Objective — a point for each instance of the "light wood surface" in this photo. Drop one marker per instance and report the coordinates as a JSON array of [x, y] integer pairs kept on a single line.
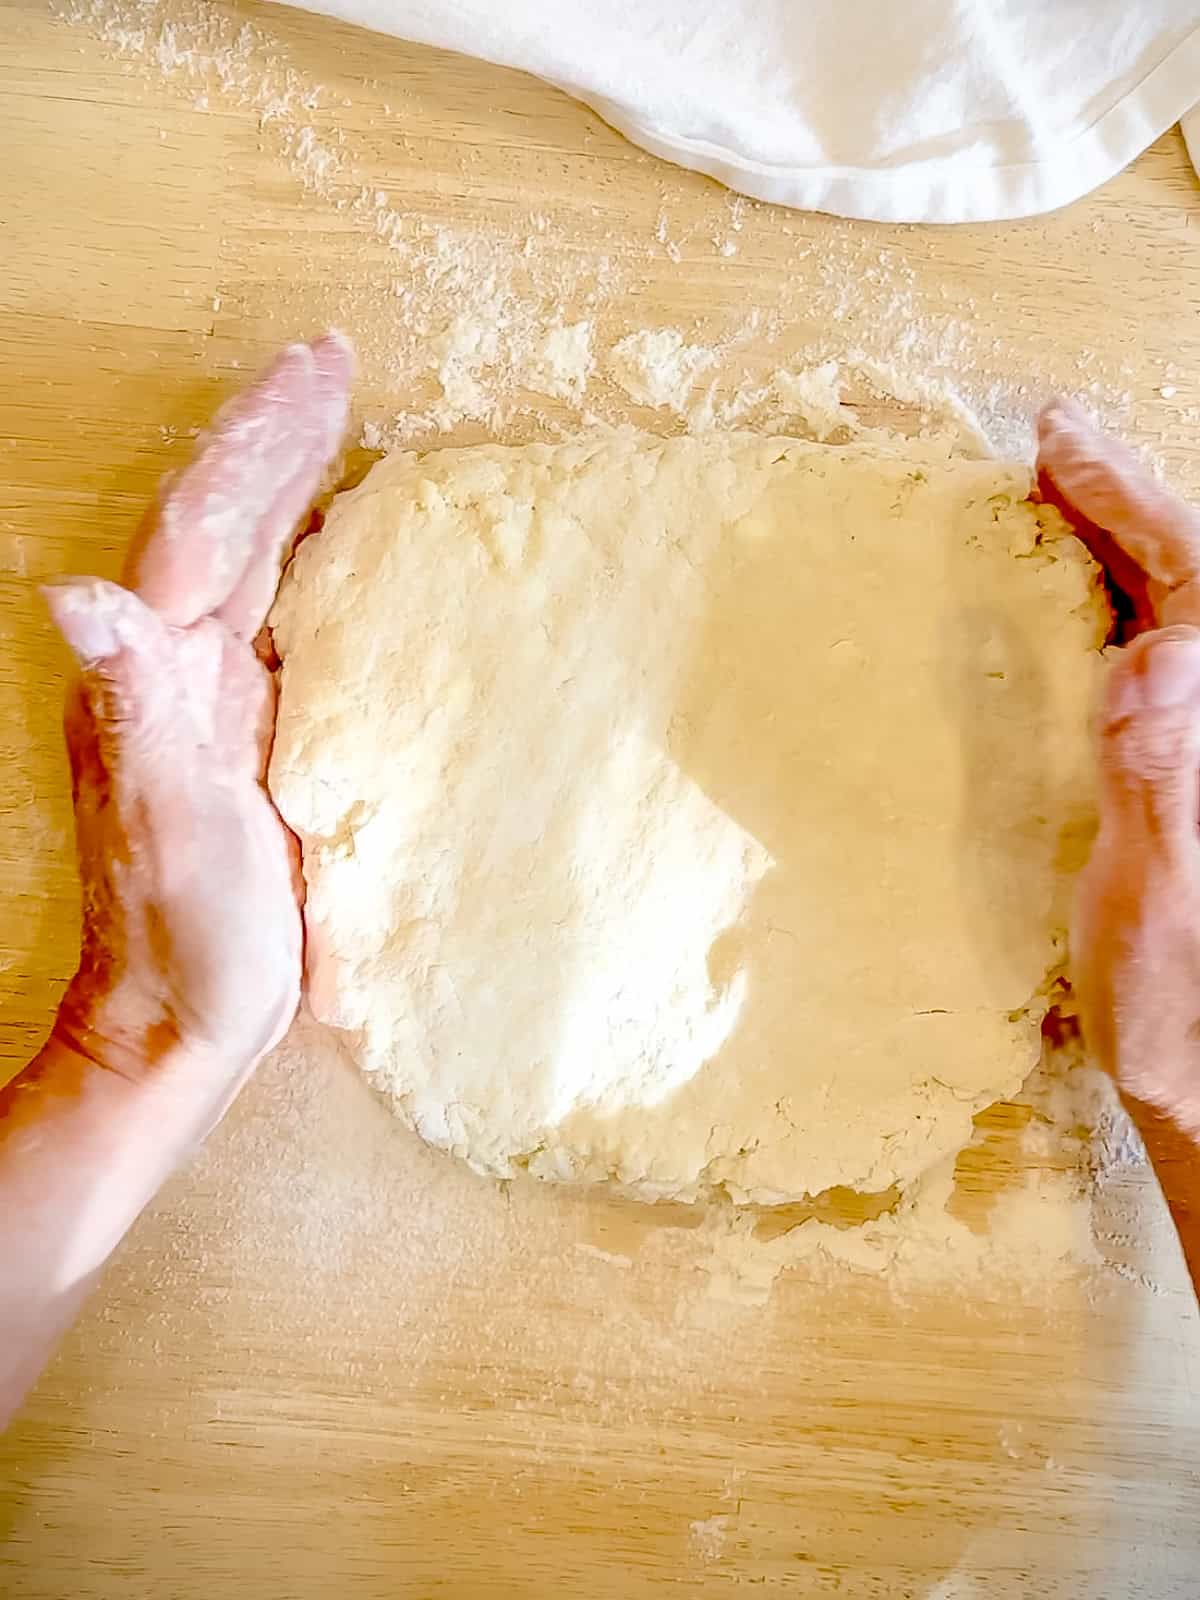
[[327, 1360]]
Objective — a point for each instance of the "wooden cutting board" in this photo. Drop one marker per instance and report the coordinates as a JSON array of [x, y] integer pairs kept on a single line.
[[329, 1360]]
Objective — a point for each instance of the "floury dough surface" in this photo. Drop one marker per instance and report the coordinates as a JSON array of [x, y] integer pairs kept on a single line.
[[692, 813]]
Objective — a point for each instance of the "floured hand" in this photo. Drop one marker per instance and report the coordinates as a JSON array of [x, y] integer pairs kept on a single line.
[[191, 927], [1136, 936]]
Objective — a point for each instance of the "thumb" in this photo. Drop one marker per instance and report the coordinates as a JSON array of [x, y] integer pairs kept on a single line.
[[1150, 743], [122, 648]]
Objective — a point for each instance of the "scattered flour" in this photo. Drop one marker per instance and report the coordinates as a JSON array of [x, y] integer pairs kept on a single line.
[[389, 1271], [471, 318], [655, 368], [561, 362], [814, 399], [1037, 1230], [468, 323], [1040, 1226], [707, 1537]]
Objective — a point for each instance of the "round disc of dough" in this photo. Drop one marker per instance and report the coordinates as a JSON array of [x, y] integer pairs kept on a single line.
[[688, 814]]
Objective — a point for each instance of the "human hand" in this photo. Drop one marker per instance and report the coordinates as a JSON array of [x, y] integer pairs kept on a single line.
[[191, 940], [1135, 938]]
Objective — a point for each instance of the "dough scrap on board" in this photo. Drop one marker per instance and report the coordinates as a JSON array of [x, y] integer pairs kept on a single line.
[[693, 813]]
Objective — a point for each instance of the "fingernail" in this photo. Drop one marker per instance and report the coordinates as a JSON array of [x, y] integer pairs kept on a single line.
[[83, 617], [334, 355], [333, 346], [1064, 416]]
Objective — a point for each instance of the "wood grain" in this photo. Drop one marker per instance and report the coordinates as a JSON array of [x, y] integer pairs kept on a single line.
[[329, 1359]]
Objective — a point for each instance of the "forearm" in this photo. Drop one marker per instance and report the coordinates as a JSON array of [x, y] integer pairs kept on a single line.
[[82, 1151], [1175, 1157]]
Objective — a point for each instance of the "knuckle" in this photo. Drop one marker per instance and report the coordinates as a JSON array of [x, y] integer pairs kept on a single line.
[[1155, 745]]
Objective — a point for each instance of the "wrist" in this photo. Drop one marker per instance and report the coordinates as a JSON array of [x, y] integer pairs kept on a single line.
[[123, 1032], [113, 1028], [189, 1084], [170, 1110]]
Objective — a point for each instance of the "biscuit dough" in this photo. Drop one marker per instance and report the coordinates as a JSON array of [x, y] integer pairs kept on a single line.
[[688, 814]]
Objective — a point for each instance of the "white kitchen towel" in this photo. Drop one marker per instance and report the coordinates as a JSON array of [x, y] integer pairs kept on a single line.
[[897, 110]]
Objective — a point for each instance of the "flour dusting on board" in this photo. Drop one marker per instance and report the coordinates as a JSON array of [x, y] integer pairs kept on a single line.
[[313, 1188], [465, 320], [343, 1196]]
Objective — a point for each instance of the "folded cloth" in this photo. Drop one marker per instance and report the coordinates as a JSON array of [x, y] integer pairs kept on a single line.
[[893, 110]]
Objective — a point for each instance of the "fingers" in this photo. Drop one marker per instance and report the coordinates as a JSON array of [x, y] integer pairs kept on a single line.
[[1125, 513], [213, 543], [1150, 745], [246, 609]]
